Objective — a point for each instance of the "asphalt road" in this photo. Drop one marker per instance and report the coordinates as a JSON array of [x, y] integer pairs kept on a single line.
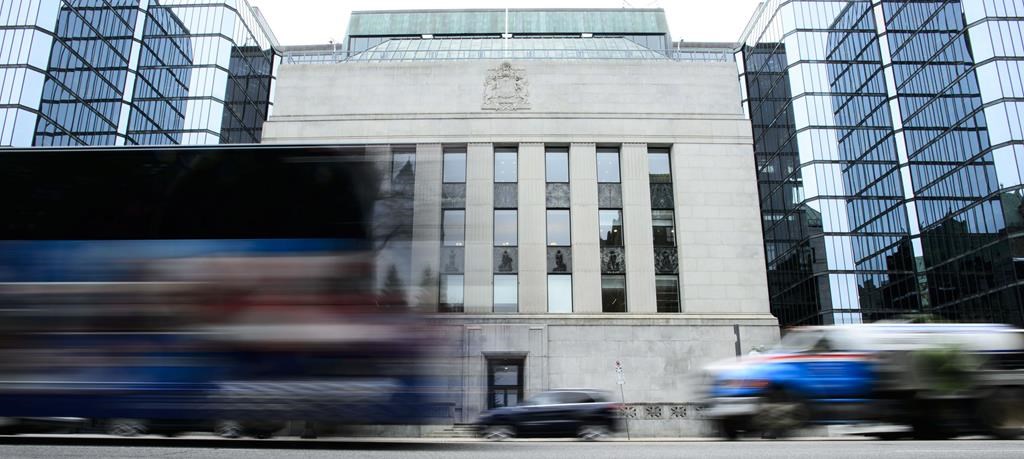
[[117, 448]]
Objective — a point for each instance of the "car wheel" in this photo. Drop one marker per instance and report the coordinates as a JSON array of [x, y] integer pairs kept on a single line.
[[728, 429], [228, 429], [781, 414], [126, 427], [261, 434], [498, 433], [593, 432], [262, 430], [1002, 412], [8, 426]]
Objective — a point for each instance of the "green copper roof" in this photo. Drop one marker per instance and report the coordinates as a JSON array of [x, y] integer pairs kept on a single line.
[[524, 21]]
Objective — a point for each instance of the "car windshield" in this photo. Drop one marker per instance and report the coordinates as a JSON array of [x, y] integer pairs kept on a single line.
[[798, 341]]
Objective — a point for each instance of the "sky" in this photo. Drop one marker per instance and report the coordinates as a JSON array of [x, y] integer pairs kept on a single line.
[[305, 22]]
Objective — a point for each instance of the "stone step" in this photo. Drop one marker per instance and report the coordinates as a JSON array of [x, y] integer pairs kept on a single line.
[[455, 431]]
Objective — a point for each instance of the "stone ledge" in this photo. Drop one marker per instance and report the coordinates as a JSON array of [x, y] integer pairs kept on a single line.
[[611, 319]]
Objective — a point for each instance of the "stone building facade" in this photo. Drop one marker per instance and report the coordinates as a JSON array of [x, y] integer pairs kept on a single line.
[[567, 214]]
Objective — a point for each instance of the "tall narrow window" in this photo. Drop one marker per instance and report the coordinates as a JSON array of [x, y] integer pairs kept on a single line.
[[453, 228], [558, 228], [610, 227], [663, 226], [613, 293], [559, 293], [608, 165], [660, 169], [506, 166], [663, 222], [667, 291], [454, 167], [556, 166], [506, 228], [506, 293], [451, 293], [403, 166]]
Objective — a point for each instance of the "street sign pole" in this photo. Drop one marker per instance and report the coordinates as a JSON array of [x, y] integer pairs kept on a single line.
[[621, 381]]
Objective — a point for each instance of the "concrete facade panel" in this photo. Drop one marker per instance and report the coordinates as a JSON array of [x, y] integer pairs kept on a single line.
[[479, 227], [426, 243], [532, 235], [586, 252], [714, 213], [636, 198]]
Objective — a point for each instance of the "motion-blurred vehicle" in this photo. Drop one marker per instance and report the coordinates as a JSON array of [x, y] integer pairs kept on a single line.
[[10, 426], [178, 289], [942, 380], [585, 413]]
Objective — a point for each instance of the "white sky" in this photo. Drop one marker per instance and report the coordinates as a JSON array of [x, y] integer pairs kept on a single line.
[[304, 22]]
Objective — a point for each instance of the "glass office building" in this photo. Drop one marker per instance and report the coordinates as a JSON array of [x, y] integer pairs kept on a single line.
[[127, 72], [889, 150]]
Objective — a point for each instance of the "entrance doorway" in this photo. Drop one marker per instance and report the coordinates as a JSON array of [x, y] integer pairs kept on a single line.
[[504, 382]]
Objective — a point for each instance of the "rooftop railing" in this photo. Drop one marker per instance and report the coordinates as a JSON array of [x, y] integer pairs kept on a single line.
[[328, 56]]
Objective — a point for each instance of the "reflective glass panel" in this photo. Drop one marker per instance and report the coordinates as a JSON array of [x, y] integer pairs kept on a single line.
[[403, 167], [451, 293], [558, 227], [610, 224], [506, 227], [559, 293], [608, 167], [663, 222], [454, 168], [660, 169], [454, 227], [506, 167], [556, 167], [667, 290], [613, 293], [506, 293]]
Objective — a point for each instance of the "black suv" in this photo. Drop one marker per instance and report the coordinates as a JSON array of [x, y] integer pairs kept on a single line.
[[584, 413]]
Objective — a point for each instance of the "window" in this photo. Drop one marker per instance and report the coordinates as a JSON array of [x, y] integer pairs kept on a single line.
[[558, 227], [506, 166], [663, 222], [451, 293], [506, 293], [453, 228], [506, 227], [560, 293], [610, 224], [613, 293], [556, 166], [660, 169], [403, 168], [667, 290], [402, 161], [607, 166], [454, 168]]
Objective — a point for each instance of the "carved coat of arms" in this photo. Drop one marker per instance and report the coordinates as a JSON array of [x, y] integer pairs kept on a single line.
[[506, 89]]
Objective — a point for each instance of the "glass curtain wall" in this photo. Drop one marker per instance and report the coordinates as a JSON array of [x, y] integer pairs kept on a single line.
[[885, 190], [86, 72]]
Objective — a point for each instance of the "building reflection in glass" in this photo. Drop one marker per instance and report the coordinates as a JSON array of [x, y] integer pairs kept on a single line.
[[82, 72], [885, 187]]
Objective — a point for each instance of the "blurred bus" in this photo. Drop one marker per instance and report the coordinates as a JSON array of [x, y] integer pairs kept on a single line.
[[164, 288]]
